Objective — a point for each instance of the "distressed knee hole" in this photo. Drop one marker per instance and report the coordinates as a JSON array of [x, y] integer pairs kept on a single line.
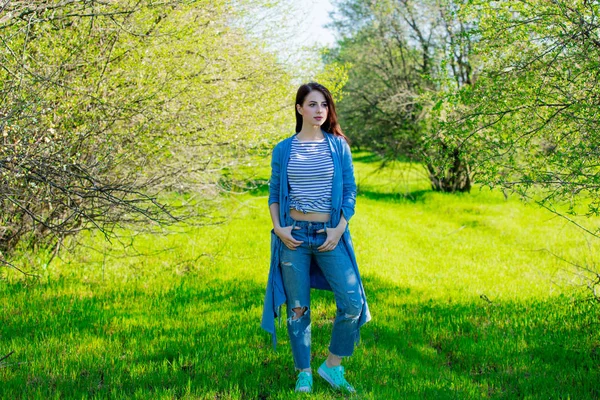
[[286, 264], [299, 311]]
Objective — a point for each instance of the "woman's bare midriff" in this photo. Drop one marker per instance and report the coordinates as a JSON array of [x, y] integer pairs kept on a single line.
[[310, 216]]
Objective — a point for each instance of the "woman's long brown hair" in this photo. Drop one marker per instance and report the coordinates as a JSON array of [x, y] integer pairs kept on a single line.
[[331, 124]]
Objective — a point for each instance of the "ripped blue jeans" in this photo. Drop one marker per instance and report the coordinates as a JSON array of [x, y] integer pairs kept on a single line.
[[337, 267]]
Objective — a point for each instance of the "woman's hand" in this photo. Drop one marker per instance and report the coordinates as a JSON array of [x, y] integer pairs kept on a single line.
[[285, 234], [333, 237]]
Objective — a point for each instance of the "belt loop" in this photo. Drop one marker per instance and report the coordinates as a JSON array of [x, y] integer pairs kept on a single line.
[[325, 227], [294, 224]]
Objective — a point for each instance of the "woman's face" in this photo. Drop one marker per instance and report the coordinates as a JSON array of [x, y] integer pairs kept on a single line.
[[314, 109]]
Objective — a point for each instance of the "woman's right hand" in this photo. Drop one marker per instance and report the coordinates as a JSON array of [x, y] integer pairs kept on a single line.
[[285, 234]]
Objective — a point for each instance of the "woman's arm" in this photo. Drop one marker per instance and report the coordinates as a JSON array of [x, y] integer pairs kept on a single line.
[[274, 180], [284, 233], [274, 210], [348, 200], [349, 184]]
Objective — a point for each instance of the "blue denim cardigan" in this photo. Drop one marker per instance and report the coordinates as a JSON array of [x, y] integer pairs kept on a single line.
[[343, 199]]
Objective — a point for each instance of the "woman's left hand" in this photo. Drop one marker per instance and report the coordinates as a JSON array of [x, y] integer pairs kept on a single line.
[[333, 237]]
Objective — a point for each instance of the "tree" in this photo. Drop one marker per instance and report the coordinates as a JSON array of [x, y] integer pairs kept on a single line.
[[401, 55], [106, 108], [534, 111]]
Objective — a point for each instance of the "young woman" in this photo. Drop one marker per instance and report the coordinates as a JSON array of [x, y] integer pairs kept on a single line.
[[312, 193]]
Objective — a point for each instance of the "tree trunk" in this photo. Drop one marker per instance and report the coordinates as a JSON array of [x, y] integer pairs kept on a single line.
[[452, 174]]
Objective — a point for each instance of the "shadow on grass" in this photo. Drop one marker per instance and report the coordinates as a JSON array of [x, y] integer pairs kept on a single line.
[[202, 338], [483, 348], [366, 157], [417, 196], [413, 197]]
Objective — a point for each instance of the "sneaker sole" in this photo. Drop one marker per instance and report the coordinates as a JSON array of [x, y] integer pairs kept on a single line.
[[324, 375]]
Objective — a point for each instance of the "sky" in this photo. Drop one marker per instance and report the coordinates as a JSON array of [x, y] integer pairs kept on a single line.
[[304, 32], [318, 15]]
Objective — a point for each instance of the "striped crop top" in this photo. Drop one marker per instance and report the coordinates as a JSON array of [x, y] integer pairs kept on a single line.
[[310, 176]]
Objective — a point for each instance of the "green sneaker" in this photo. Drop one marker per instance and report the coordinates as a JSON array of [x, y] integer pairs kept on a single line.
[[335, 377], [304, 382]]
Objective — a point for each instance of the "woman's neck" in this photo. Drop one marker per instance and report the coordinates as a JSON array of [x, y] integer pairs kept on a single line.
[[310, 132]]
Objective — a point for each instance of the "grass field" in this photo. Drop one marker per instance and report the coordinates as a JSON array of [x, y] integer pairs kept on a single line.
[[468, 297]]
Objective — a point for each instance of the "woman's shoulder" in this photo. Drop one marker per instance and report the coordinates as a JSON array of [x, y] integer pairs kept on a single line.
[[333, 136], [285, 142], [282, 145], [338, 140]]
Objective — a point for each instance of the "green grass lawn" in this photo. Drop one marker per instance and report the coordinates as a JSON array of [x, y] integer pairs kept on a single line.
[[468, 298]]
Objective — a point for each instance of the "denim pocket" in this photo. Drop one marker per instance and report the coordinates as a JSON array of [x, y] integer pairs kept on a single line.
[[298, 234]]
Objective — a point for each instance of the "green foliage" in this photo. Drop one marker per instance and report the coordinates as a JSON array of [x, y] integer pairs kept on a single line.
[[374, 114], [401, 54], [465, 301], [534, 110], [106, 105], [334, 76]]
